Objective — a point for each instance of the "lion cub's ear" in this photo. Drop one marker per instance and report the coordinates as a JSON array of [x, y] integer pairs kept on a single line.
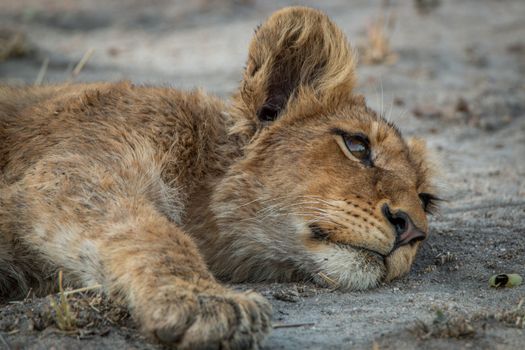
[[297, 52]]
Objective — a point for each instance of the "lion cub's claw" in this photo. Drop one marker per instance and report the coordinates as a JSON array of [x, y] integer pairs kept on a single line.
[[222, 321]]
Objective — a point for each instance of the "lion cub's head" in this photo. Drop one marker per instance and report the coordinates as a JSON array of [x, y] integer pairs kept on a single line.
[[327, 189]]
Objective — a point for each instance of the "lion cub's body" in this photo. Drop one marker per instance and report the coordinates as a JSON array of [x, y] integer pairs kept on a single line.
[[152, 192], [77, 159]]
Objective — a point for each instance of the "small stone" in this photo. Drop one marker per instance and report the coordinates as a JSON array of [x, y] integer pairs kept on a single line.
[[289, 295]]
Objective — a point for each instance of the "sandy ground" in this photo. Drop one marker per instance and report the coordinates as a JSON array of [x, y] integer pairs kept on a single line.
[[458, 81]]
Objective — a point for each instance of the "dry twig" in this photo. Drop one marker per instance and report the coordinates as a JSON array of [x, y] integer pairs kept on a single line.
[[292, 325]]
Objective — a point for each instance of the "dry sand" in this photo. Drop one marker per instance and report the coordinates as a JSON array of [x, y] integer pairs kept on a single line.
[[457, 80]]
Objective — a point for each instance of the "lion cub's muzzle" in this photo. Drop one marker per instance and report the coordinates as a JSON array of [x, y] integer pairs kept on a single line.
[[406, 231]]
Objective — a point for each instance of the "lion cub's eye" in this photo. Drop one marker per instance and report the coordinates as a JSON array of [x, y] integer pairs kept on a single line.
[[358, 147], [355, 146]]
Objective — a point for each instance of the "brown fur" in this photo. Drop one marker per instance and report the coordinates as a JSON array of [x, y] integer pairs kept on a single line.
[[140, 188]]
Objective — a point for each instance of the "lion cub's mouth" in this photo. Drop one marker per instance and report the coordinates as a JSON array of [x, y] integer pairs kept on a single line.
[[320, 234]]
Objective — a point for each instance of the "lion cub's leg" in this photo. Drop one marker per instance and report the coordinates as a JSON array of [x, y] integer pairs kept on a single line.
[[158, 270], [104, 227]]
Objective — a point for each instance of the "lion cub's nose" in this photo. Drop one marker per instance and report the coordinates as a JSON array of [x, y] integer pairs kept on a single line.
[[406, 231]]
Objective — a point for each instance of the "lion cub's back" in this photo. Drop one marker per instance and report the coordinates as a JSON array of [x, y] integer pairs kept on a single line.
[[37, 120], [31, 117]]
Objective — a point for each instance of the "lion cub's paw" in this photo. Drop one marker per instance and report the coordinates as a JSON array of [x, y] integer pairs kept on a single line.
[[212, 321]]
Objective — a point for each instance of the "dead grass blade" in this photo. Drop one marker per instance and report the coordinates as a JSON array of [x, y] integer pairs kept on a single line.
[[42, 72], [80, 65], [64, 318], [83, 289], [515, 317], [328, 279]]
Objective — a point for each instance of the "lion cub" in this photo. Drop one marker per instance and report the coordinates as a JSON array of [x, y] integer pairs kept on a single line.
[[154, 193]]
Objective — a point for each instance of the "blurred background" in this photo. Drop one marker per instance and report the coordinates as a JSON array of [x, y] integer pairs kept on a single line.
[[449, 71], [436, 53]]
